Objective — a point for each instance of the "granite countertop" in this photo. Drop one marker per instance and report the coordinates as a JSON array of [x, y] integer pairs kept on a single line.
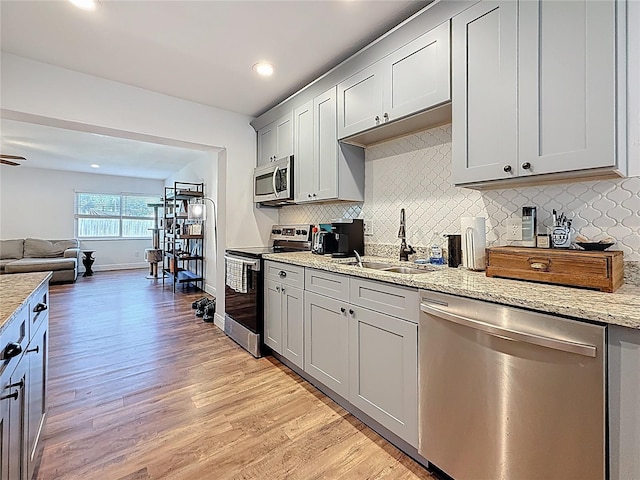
[[15, 290], [619, 308]]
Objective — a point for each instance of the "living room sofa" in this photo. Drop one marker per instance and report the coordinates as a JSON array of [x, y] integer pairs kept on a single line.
[[37, 255]]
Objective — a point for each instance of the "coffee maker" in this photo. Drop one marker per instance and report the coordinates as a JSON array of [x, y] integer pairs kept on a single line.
[[349, 234]]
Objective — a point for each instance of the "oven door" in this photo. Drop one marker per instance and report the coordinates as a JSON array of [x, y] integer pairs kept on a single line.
[[246, 308]]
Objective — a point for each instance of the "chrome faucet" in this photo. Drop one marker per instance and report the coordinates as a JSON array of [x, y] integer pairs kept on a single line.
[[405, 250], [358, 258]]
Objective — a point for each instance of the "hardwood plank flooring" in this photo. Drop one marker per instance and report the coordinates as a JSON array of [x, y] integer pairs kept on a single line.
[[140, 388]]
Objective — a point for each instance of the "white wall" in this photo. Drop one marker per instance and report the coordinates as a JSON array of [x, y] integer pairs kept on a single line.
[[205, 171], [40, 203], [41, 93]]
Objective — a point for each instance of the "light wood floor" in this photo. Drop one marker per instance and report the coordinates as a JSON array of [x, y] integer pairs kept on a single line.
[[140, 388]]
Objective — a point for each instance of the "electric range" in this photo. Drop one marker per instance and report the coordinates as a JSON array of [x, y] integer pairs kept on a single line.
[[244, 301]]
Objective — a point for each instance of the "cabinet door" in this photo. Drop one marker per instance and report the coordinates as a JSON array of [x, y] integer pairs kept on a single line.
[[325, 146], [418, 74], [18, 423], [567, 85], [293, 325], [5, 453], [267, 144], [326, 342], [303, 158], [485, 80], [37, 356], [284, 137], [384, 371], [273, 315], [360, 101]]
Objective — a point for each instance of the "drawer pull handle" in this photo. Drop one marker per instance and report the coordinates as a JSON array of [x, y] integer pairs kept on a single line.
[[41, 307], [12, 349], [13, 395], [540, 265]]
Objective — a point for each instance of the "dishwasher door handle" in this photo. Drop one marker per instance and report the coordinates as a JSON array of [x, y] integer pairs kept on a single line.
[[509, 334]]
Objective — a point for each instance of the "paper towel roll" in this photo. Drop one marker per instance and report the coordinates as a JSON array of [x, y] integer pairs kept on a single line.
[[474, 242]]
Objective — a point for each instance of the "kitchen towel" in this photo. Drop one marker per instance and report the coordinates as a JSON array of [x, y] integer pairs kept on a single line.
[[236, 275]]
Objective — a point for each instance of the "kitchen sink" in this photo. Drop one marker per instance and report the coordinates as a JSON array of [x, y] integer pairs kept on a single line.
[[406, 270], [388, 267]]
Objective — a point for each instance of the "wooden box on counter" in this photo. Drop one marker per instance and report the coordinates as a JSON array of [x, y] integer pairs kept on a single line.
[[602, 271]]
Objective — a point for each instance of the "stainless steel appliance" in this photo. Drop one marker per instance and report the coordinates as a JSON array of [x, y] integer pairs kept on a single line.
[[507, 393], [244, 311], [273, 183], [349, 236]]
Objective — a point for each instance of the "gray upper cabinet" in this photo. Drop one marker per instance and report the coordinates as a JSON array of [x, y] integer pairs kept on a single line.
[[411, 79], [361, 101], [485, 97], [325, 170], [534, 90], [276, 140], [567, 86]]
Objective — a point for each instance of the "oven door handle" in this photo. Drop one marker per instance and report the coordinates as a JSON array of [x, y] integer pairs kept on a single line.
[[252, 264]]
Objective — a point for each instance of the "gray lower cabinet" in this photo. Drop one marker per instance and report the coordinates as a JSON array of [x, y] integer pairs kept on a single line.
[[326, 341], [357, 347], [383, 368], [23, 386], [283, 311]]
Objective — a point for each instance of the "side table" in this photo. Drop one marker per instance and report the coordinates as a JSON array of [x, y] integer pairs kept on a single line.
[[87, 261]]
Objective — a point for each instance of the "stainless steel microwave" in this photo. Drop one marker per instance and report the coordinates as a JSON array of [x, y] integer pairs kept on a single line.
[[273, 182]]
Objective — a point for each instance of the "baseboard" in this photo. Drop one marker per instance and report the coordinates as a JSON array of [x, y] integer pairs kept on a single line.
[[218, 321], [118, 266], [210, 289]]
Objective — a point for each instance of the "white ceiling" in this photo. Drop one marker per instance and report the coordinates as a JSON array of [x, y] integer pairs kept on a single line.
[[62, 149], [201, 51]]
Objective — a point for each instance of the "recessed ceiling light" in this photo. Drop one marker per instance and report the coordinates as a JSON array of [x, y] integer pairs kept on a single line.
[[94, 165], [263, 69], [85, 4]]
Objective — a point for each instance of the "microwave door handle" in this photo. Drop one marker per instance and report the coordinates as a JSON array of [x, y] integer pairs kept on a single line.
[[273, 179]]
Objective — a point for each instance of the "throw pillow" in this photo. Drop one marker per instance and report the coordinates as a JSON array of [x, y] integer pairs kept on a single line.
[[11, 249], [38, 248]]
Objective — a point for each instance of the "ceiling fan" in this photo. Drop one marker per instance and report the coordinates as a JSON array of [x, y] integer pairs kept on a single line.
[[7, 159]]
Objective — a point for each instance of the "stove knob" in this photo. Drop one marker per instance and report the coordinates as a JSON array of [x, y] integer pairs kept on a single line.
[[304, 232], [298, 232], [274, 231]]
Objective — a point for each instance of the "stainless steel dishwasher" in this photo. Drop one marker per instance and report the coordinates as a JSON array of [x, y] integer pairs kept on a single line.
[[510, 394]]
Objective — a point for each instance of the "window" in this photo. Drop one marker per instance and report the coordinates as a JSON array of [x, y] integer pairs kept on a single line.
[[100, 215]]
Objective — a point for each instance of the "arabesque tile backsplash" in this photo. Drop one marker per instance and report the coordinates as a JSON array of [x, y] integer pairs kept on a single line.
[[414, 173]]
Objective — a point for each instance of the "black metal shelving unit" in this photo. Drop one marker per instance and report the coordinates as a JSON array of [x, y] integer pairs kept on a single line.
[[183, 251]]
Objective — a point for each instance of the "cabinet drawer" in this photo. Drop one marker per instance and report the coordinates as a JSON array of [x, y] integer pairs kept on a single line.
[[15, 332], [284, 273], [398, 301], [38, 308], [332, 285]]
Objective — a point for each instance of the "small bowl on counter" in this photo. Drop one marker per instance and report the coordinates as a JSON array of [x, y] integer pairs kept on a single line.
[[595, 246]]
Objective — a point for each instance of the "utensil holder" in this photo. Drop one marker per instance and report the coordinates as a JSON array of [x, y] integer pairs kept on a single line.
[[561, 237]]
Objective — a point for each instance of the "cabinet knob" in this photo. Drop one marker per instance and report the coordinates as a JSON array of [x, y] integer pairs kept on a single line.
[[377, 119], [350, 311], [342, 309], [277, 289], [507, 168], [282, 273], [314, 195], [526, 165], [12, 350], [283, 290], [309, 195], [386, 117]]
